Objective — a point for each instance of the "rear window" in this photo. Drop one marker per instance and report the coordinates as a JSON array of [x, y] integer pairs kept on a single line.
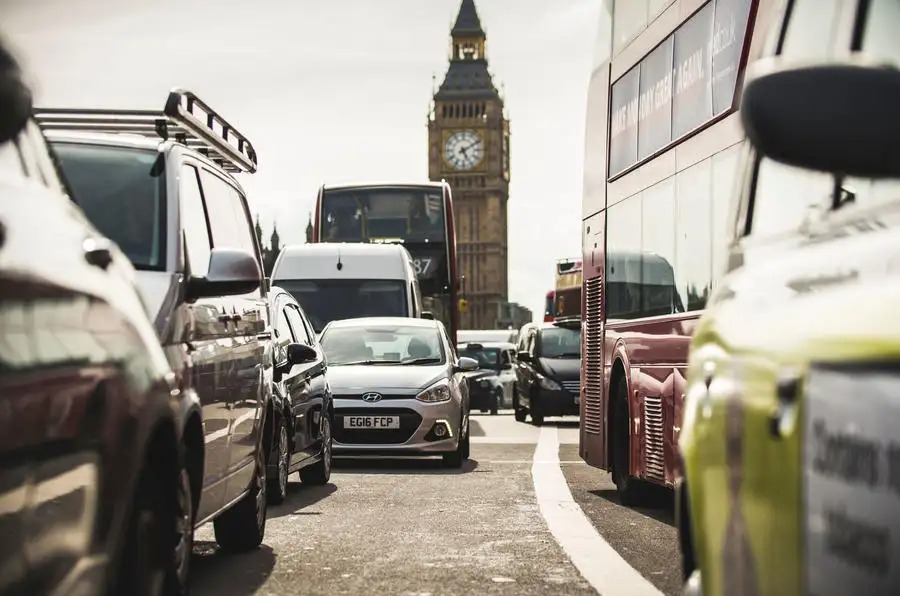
[[326, 300], [122, 192]]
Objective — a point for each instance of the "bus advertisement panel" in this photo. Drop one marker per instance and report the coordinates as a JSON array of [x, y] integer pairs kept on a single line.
[[418, 216]]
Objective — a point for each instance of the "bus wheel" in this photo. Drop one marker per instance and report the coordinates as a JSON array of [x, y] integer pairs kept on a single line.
[[627, 487]]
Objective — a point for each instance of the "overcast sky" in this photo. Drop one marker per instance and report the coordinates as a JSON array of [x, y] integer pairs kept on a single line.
[[336, 90]]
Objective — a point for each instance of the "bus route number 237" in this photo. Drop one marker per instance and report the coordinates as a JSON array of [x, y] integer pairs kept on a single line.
[[422, 266]]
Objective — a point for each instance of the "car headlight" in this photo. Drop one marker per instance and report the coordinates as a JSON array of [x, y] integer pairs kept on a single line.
[[437, 392], [550, 384]]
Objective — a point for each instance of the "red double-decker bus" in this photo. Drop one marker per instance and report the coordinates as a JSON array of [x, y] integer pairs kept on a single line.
[[418, 216], [661, 155]]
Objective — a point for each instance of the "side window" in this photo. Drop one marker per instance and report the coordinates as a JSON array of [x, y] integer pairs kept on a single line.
[[228, 221], [880, 38], [193, 222], [282, 328], [786, 197], [309, 329], [811, 29], [297, 325]]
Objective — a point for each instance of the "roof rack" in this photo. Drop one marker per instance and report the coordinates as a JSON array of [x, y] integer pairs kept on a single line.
[[185, 119]]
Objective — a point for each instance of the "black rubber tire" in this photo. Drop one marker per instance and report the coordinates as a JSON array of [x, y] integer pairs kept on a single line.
[[456, 459], [519, 412], [281, 453], [319, 473], [629, 489], [495, 401], [155, 561], [537, 418], [243, 527]]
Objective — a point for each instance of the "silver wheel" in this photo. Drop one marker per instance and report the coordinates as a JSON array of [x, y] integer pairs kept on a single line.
[[284, 460]]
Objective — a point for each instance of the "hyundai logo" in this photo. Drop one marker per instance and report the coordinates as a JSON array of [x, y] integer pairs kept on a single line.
[[371, 397]]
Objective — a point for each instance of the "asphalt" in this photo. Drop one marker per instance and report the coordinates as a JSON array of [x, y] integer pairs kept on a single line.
[[412, 527]]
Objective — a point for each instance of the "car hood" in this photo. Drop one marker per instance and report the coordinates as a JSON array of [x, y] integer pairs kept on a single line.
[[563, 369], [402, 380]]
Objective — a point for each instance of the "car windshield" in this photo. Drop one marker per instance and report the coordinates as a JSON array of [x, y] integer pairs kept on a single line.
[[326, 300], [121, 190], [559, 342], [382, 344], [486, 357]]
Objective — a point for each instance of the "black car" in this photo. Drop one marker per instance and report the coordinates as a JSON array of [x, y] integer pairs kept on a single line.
[[303, 408], [89, 458], [548, 372], [495, 376]]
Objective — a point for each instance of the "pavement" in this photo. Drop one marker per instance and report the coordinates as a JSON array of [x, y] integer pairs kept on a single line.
[[525, 515]]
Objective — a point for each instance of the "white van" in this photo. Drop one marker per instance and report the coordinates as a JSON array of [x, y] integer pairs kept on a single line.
[[334, 281]]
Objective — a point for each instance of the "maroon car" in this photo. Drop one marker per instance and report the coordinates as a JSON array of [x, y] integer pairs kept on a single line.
[[88, 456]]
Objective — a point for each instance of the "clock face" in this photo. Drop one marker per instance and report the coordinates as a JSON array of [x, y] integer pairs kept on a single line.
[[464, 150]]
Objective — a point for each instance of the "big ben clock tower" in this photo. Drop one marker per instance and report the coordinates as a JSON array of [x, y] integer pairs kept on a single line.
[[468, 139]]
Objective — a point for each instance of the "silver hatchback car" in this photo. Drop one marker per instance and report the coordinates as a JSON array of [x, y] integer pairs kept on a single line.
[[398, 388]]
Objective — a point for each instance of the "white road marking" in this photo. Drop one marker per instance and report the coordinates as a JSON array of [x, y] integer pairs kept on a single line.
[[595, 559], [503, 440]]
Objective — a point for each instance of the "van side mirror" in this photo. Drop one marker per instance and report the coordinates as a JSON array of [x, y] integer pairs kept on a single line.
[[466, 364], [833, 117], [15, 97], [231, 272], [427, 314], [524, 356]]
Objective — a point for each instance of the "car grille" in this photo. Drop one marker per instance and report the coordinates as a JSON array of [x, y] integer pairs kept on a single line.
[[572, 386], [384, 396], [409, 422]]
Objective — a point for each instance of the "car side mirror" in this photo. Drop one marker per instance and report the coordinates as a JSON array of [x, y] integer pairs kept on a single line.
[[506, 366], [524, 356], [231, 272], [427, 314], [15, 97], [835, 117], [466, 364], [300, 354]]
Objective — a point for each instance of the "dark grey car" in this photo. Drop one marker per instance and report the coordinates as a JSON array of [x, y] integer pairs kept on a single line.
[[548, 371]]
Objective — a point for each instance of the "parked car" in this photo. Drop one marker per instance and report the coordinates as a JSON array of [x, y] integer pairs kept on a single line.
[[302, 400], [788, 445], [492, 385], [89, 458], [548, 372], [165, 194], [334, 281], [398, 388]]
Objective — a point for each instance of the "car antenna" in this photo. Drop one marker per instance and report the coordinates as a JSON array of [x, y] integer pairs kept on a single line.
[[339, 264]]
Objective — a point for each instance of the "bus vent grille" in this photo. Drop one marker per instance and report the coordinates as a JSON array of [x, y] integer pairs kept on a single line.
[[654, 451], [592, 368]]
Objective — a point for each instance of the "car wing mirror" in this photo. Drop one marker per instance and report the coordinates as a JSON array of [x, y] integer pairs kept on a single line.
[[836, 117], [427, 314], [231, 272], [524, 356], [301, 354], [465, 364]]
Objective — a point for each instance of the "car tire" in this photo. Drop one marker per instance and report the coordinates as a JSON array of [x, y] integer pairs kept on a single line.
[[243, 527], [156, 562], [495, 401], [629, 489], [456, 459], [281, 453], [519, 412], [537, 418], [319, 473]]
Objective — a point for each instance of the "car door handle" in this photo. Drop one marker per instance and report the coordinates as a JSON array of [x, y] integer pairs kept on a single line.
[[98, 252]]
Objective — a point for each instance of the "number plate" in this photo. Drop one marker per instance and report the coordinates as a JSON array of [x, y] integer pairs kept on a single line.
[[372, 422], [851, 475]]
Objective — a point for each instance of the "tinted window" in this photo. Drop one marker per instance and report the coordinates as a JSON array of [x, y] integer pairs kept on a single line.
[[121, 190], [382, 344], [560, 343], [228, 220], [282, 327], [326, 300], [297, 325], [194, 223], [811, 29], [379, 214], [486, 357]]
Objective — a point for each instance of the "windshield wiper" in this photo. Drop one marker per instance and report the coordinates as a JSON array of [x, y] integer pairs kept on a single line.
[[366, 362], [421, 361]]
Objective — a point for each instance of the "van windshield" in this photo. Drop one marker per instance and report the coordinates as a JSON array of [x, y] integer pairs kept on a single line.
[[326, 300]]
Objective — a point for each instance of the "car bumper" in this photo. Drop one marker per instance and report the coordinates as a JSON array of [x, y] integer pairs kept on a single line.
[[417, 435], [556, 402]]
